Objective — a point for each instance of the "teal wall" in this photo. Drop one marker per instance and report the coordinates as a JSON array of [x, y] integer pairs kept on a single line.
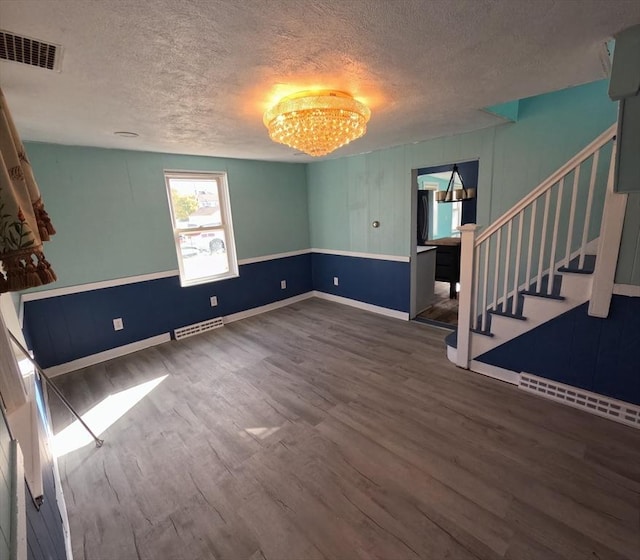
[[346, 195], [111, 211], [628, 271], [508, 110]]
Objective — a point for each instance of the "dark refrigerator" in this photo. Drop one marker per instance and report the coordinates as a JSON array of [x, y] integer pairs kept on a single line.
[[423, 217]]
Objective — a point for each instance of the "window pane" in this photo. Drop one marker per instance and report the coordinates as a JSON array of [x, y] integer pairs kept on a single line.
[[456, 217], [203, 254], [195, 202]]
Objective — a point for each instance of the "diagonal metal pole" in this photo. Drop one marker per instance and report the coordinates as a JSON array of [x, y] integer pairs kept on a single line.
[[50, 384]]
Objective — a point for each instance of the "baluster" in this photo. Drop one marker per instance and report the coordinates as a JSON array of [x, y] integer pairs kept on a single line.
[[572, 214], [532, 232], [476, 294], [506, 268], [516, 271], [554, 240], [486, 283], [587, 212], [545, 219], [496, 277]]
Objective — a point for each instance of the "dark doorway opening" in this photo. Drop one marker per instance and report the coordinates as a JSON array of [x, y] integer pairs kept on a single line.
[[437, 223]]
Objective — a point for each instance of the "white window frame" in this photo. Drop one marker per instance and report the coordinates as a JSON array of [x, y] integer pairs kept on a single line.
[[225, 215]]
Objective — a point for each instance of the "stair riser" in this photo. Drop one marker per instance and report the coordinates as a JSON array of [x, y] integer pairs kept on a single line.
[[479, 344], [576, 289], [538, 310], [506, 328]]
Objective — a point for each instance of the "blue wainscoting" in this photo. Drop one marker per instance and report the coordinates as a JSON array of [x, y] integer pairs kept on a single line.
[[600, 355], [379, 282], [64, 328]]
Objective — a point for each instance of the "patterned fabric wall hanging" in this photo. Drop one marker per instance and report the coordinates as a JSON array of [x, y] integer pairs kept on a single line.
[[24, 223]]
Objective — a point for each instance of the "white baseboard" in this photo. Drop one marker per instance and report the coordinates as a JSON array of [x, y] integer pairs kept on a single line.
[[361, 305], [587, 401], [264, 308], [495, 372], [452, 354], [107, 355], [153, 341]]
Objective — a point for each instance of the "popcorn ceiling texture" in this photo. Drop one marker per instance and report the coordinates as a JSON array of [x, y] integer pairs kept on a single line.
[[195, 76]]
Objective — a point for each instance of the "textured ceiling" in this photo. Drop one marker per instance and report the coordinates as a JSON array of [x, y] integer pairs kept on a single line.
[[195, 76]]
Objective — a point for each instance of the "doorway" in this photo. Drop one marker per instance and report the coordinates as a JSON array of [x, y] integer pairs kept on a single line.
[[445, 198]]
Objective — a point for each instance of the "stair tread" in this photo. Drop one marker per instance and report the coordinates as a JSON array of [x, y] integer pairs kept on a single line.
[[534, 288], [508, 314], [484, 333], [542, 295], [565, 269], [588, 266], [452, 339]]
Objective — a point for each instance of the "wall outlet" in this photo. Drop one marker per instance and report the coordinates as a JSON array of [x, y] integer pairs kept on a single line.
[[283, 284], [118, 325], [335, 281], [213, 300]]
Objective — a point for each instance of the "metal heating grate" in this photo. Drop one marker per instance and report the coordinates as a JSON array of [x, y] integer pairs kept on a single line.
[[591, 402], [24, 50], [198, 328]]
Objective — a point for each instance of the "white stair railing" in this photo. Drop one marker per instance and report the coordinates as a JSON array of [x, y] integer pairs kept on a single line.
[[521, 251]]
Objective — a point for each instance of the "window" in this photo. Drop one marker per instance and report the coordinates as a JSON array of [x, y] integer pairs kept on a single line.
[[202, 227], [444, 217]]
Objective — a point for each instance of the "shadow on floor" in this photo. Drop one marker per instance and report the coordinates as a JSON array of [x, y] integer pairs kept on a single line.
[[444, 311]]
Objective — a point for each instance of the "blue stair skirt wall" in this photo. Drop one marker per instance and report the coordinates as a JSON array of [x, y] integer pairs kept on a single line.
[[599, 355]]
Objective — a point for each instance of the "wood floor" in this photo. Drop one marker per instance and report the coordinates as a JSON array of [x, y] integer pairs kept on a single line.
[[321, 431], [444, 309]]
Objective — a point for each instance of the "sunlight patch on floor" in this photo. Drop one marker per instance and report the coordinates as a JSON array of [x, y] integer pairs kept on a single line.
[[262, 433], [101, 417]]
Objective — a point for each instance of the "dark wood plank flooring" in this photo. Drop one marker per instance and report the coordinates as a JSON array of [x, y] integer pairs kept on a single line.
[[320, 431], [444, 309]]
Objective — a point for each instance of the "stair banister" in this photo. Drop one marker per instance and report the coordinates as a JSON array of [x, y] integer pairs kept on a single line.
[[575, 161], [492, 265]]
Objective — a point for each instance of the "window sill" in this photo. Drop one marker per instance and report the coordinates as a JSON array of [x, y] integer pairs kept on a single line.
[[208, 279]]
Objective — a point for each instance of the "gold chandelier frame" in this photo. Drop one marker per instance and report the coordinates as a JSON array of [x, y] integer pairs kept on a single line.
[[317, 122]]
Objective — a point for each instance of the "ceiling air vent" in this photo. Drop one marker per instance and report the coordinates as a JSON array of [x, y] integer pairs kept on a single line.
[[32, 52]]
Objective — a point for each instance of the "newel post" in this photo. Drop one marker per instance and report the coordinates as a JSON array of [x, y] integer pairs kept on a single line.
[[467, 289], [615, 206]]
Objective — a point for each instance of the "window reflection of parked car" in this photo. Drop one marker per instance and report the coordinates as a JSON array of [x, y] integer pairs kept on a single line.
[[189, 251]]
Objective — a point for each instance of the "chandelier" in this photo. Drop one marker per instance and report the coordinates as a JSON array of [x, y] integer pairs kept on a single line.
[[317, 122]]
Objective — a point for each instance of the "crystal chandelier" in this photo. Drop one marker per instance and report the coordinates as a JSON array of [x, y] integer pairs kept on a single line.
[[317, 122]]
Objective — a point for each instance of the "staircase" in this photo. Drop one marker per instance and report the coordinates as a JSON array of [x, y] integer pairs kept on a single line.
[[537, 261]]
